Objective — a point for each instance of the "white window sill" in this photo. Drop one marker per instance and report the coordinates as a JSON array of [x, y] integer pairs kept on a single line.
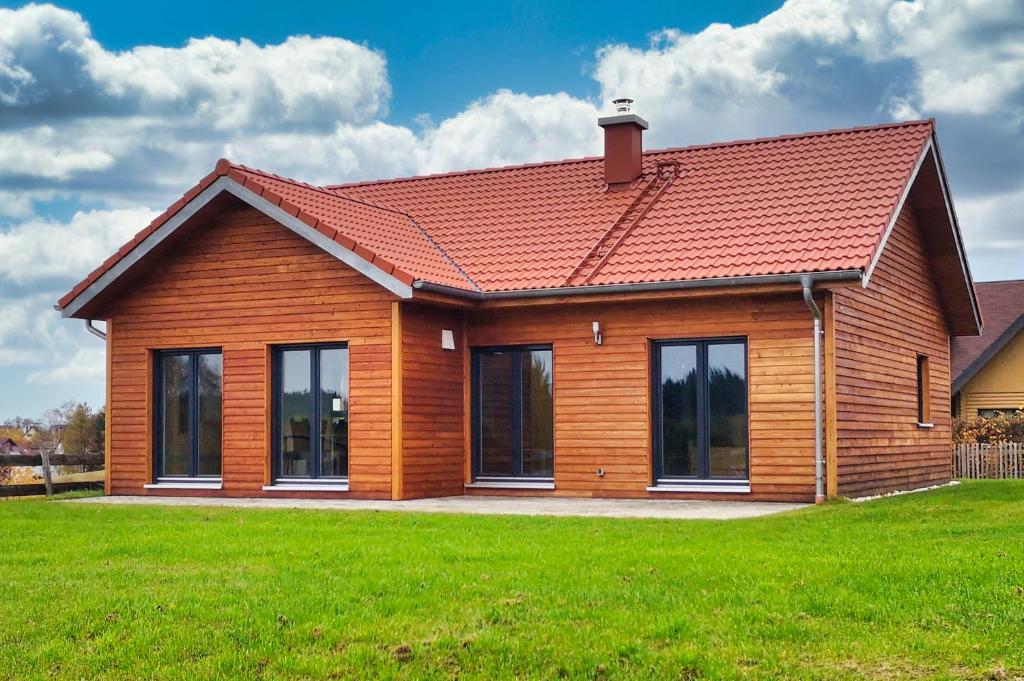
[[182, 484], [510, 484], [299, 487], [713, 488], [925, 425]]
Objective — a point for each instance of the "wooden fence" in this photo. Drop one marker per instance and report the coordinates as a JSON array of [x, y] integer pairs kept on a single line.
[[988, 461], [92, 461]]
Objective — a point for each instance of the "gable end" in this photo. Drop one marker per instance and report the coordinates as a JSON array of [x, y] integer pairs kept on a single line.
[[192, 207]]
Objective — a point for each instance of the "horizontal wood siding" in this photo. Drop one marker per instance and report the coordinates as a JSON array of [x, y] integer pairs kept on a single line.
[[244, 283], [602, 393], [880, 331], [432, 383]]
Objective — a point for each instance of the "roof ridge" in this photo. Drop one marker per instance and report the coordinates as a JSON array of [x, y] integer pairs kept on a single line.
[[444, 254], [664, 150], [313, 187]]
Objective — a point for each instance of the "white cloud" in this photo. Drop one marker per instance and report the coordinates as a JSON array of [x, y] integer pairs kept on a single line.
[[50, 60], [813, 62], [40, 249], [42, 152], [509, 128], [15, 204], [85, 365], [500, 129], [995, 222]]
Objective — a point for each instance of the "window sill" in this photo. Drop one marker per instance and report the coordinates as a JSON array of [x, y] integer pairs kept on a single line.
[[708, 488], [511, 484], [299, 487], [925, 425], [185, 484]]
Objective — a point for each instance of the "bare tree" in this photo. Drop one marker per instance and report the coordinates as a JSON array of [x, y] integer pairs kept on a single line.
[[51, 438]]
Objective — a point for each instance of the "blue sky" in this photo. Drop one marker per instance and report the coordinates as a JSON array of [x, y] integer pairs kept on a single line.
[[441, 55], [108, 111]]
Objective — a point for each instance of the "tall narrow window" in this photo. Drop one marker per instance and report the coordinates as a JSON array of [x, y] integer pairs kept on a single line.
[[188, 392], [924, 410], [700, 410], [310, 422], [513, 413]]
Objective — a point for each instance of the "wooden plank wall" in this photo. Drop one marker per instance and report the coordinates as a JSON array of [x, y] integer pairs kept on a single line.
[[602, 393], [879, 333], [243, 283], [433, 442]]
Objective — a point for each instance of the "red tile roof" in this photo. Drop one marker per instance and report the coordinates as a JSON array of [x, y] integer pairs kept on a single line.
[[801, 203], [1002, 304], [807, 203]]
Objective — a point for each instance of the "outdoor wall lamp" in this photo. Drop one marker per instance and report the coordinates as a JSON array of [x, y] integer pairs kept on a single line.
[[597, 333]]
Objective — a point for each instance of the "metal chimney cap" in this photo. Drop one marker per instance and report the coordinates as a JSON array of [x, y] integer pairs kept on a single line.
[[622, 105]]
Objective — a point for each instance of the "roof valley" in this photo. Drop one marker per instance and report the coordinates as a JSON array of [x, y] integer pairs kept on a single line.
[[443, 252]]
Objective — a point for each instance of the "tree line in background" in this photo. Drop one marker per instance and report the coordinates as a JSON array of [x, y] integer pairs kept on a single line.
[[71, 428]]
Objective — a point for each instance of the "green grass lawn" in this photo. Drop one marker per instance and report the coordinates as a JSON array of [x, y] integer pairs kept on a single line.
[[926, 585]]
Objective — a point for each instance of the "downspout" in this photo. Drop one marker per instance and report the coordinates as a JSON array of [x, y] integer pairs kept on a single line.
[[807, 282], [94, 331]]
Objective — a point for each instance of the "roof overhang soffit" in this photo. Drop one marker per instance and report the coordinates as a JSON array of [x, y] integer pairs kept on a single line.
[[227, 185], [927, 190]]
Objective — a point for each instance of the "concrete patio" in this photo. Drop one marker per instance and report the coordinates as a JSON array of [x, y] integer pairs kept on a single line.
[[548, 506]]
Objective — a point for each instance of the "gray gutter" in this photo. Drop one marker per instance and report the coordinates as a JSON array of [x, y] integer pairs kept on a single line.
[[94, 331], [720, 282]]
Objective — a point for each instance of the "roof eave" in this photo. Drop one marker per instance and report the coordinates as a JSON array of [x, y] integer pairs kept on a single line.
[[719, 282]]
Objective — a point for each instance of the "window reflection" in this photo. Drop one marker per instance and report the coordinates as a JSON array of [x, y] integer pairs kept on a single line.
[[177, 386], [515, 412], [188, 408], [727, 410], [312, 403], [334, 412], [679, 410], [296, 413], [701, 410]]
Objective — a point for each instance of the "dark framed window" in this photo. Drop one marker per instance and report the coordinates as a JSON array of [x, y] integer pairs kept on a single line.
[[513, 413], [188, 394], [310, 412], [924, 410], [700, 410], [997, 411]]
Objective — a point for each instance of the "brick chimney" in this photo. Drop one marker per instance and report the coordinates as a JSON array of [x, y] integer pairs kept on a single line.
[[623, 143]]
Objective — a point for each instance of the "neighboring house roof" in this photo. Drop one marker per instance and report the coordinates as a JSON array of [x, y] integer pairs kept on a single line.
[[1002, 303], [811, 203]]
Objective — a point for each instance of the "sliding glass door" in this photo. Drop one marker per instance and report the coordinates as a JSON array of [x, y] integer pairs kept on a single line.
[[513, 413], [188, 390], [310, 423], [700, 410]]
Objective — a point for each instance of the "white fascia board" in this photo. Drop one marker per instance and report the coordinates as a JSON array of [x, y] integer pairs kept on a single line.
[[356, 262], [930, 147], [866, 279], [224, 184]]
